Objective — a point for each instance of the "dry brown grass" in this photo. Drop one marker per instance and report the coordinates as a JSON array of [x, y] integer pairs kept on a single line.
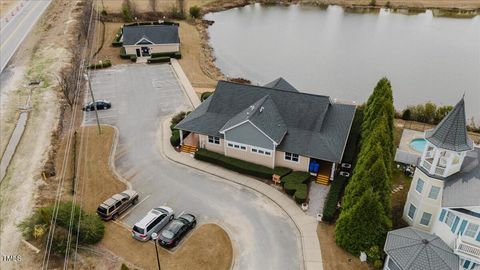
[[335, 258], [108, 51], [208, 247]]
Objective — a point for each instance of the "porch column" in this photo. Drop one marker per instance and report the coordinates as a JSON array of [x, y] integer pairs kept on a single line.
[[332, 173], [181, 136]]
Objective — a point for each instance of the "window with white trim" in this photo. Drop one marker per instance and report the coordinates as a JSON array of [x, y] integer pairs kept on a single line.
[[425, 218], [471, 230], [411, 211], [213, 140], [261, 151], [291, 156], [239, 146], [434, 191], [449, 219], [420, 184]]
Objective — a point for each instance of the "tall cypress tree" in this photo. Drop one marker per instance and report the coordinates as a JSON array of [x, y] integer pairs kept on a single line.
[[363, 226]]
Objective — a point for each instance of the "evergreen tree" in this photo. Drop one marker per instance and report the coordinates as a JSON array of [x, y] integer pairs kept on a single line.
[[363, 226]]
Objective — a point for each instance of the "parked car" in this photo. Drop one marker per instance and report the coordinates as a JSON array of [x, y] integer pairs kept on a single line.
[[176, 230], [153, 222], [117, 204], [102, 104]]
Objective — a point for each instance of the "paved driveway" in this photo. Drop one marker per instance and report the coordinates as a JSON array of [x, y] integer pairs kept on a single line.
[[264, 236]]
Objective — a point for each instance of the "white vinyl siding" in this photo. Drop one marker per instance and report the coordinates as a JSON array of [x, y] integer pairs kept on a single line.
[[471, 230], [213, 140], [411, 211], [291, 157], [239, 146], [419, 186], [434, 191], [426, 217]]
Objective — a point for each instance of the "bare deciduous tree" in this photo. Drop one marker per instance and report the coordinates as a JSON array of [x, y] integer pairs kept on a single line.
[[153, 5]]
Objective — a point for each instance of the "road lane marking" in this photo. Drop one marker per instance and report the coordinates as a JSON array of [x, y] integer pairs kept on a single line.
[[130, 210], [5, 41]]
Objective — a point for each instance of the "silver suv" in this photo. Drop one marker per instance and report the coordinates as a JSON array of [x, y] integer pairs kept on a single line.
[[153, 222], [117, 204]]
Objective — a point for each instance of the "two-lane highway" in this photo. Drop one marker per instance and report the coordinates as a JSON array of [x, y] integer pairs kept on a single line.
[[13, 32]]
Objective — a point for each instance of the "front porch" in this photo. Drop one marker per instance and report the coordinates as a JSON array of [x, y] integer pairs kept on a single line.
[[323, 170], [190, 143]]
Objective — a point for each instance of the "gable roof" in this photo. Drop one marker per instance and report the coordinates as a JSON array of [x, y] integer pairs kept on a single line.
[[264, 115], [281, 84], [315, 127], [156, 33], [451, 132], [412, 249], [461, 189]]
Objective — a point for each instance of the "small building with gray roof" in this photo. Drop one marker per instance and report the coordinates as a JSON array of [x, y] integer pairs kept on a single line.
[[145, 39], [272, 125]]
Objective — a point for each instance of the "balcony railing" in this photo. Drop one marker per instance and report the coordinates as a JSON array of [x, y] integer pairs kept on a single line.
[[439, 170], [427, 165], [467, 249]]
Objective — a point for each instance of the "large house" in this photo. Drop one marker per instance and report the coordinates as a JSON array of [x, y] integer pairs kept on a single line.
[[443, 200], [271, 125], [143, 40]]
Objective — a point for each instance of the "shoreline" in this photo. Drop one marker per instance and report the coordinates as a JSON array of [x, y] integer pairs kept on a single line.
[[454, 10]]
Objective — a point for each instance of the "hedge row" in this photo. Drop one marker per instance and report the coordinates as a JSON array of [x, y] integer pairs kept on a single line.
[[101, 64], [162, 59], [175, 138], [176, 55], [281, 171], [333, 197], [116, 41], [234, 164], [295, 185], [124, 55], [205, 95]]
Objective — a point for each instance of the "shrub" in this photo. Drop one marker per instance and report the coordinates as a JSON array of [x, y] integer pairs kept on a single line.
[[92, 229], [195, 12], [234, 164], [101, 64], [205, 95], [378, 264], [373, 3], [175, 138], [172, 127], [127, 13], [162, 59], [104, 12], [281, 171], [177, 14], [290, 188], [59, 242], [133, 58], [124, 267], [156, 55], [116, 41], [178, 117], [177, 55], [333, 197], [296, 177], [301, 193]]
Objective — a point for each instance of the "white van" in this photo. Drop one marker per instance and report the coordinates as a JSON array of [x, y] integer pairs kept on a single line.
[[153, 222]]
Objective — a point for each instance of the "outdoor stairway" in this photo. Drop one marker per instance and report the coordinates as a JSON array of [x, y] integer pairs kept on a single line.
[[188, 148], [323, 179]]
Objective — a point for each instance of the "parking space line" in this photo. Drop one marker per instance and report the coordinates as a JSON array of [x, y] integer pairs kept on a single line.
[[130, 210]]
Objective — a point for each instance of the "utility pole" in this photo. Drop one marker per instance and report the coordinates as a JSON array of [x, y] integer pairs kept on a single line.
[[94, 102]]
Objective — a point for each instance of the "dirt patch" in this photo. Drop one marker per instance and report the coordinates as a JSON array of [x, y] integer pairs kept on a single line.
[[207, 247], [334, 257]]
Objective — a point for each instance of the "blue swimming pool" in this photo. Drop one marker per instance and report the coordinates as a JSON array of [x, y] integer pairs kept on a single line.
[[418, 144]]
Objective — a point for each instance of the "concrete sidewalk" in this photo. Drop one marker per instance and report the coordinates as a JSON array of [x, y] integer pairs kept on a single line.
[[307, 225]]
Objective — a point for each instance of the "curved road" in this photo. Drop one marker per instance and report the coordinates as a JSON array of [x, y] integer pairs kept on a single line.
[[13, 32], [264, 236]]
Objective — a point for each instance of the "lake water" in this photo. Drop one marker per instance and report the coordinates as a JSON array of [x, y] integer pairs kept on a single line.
[[343, 55]]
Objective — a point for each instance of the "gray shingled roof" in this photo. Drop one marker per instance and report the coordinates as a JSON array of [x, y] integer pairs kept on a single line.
[[315, 127], [265, 116], [412, 249], [158, 34], [281, 84], [451, 132], [461, 189]]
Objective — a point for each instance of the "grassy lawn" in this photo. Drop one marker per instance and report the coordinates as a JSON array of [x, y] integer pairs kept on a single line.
[[207, 247]]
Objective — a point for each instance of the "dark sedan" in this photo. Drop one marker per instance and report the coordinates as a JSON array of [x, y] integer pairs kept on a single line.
[[176, 230], [101, 105]]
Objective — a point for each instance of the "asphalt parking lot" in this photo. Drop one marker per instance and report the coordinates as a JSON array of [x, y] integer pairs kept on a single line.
[[264, 237]]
